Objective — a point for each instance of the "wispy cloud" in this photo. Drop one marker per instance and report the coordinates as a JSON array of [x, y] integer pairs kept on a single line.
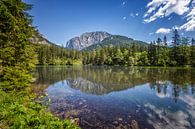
[[168, 119], [190, 24], [164, 8]]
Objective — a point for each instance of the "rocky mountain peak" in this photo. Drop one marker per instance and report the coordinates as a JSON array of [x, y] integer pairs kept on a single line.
[[87, 39]]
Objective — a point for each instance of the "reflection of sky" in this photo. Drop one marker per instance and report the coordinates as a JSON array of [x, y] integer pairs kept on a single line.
[[183, 118], [162, 111]]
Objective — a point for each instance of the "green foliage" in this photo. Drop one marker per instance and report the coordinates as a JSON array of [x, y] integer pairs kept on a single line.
[[143, 59], [117, 41], [112, 56], [16, 29], [15, 79], [20, 112], [56, 55], [17, 59], [163, 57], [154, 55], [119, 50], [192, 56], [17, 53]]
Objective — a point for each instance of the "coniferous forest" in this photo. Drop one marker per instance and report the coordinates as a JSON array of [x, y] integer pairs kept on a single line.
[[20, 106], [180, 52]]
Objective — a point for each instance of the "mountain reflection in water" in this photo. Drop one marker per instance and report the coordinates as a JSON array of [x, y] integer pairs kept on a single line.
[[110, 97]]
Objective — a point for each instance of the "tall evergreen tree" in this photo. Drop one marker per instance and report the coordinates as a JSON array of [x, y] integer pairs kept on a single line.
[[193, 52], [165, 40], [176, 38], [152, 53], [159, 41], [193, 42], [175, 45], [17, 54]]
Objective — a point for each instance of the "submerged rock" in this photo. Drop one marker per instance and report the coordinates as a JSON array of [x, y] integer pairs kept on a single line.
[[120, 119], [134, 124], [115, 123]]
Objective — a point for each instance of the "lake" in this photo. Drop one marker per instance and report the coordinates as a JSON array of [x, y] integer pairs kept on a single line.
[[111, 97]]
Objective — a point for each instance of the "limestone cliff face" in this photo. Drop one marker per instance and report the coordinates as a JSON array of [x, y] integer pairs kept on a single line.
[[38, 39], [86, 40]]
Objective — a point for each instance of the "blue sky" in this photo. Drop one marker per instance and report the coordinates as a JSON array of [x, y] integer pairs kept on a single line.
[[144, 20]]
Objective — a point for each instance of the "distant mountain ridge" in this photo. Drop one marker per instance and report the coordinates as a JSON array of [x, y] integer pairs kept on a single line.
[[117, 40], [38, 38], [95, 40], [87, 39]]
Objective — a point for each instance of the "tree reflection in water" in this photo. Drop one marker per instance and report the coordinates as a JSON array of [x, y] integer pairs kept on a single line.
[[155, 97]]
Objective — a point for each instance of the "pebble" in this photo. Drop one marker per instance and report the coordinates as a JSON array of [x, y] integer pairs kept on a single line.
[[115, 122], [120, 119], [134, 124]]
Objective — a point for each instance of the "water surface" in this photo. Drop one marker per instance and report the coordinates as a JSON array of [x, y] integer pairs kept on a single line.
[[110, 97]]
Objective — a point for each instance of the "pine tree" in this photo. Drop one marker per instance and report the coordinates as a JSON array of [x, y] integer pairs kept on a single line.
[[165, 40], [193, 52], [193, 42], [152, 53], [176, 38], [17, 53], [159, 41], [182, 56], [175, 45]]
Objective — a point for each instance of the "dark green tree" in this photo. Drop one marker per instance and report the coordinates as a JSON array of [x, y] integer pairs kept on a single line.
[[193, 52], [159, 41], [193, 42], [17, 55], [165, 40], [176, 38], [175, 45]]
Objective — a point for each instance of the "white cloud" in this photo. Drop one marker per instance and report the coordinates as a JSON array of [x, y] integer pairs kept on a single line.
[[124, 18], [190, 24], [163, 31], [162, 95], [123, 3], [164, 119], [163, 8], [175, 27]]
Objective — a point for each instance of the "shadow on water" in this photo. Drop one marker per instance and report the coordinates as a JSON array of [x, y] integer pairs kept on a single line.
[[110, 97]]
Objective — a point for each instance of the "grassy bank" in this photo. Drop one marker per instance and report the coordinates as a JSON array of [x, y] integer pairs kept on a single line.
[[18, 110]]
